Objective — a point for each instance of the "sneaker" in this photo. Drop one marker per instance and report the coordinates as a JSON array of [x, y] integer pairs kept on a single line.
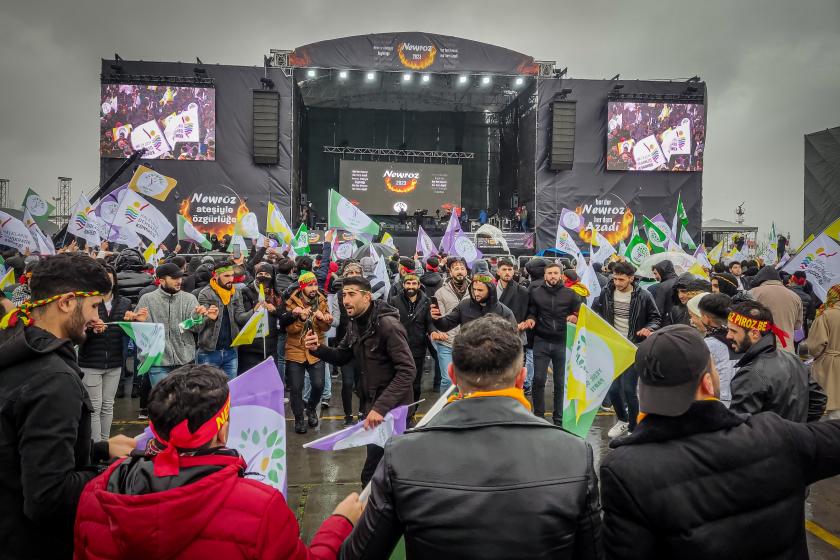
[[312, 418], [135, 393], [619, 429], [285, 400], [300, 427], [325, 404], [349, 420], [144, 414]]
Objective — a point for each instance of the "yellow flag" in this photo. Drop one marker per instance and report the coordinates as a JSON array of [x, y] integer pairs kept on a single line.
[[8, 278], [149, 182], [833, 230], [277, 224], [151, 255], [715, 254], [254, 328]]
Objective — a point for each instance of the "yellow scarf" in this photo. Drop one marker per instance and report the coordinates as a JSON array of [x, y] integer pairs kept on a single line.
[[512, 392], [224, 295]]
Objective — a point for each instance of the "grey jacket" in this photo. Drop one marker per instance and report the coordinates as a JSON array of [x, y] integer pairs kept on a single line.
[[208, 334], [172, 309], [448, 300]]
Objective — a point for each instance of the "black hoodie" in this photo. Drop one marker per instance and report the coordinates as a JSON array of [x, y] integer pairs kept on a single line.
[[470, 310], [431, 282], [46, 452], [663, 292]]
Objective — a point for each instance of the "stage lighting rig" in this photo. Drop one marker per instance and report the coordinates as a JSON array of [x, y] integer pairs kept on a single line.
[[519, 81], [462, 79], [267, 83], [371, 76], [562, 94], [617, 87], [311, 73], [485, 80], [342, 75], [425, 78], [407, 77], [693, 79]]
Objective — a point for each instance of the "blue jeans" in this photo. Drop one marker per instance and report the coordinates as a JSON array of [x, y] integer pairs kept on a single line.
[[156, 373], [307, 386], [226, 360], [444, 359], [529, 368], [545, 352]]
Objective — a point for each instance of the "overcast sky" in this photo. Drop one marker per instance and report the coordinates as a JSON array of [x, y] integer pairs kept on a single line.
[[772, 69]]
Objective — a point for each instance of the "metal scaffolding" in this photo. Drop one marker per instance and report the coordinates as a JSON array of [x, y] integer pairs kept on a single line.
[[388, 152], [4, 193], [62, 202]]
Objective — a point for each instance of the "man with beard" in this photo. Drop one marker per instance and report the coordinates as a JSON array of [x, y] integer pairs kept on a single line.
[[378, 343], [482, 301], [448, 296], [551, 306], [516, 298], [46, 451], [413, 306], [767, 378], [171, 307], [225, 315], [306, 312], [261, 348]]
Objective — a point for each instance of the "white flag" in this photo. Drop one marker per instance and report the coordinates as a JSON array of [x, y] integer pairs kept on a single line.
[[647, 154], [820, 260], [381, 272], [13, 233], [590, 280], [564, 242], [45, 244], [140, 215], [605, 249], [183, 126], [83, 221], [677, 140], [149, 137]]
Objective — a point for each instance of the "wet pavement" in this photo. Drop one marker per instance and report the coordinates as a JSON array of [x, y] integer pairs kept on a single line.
[[318, 480]]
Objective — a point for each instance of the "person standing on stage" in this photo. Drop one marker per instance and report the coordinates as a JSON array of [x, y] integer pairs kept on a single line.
[[378, 342]]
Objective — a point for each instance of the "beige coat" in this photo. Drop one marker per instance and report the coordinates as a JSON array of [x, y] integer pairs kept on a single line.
[[785, 306], [824, 345]]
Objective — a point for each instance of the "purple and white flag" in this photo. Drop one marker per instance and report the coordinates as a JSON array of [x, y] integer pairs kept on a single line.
[[424, 244], [356, 435], [453, 228], [257, 424]]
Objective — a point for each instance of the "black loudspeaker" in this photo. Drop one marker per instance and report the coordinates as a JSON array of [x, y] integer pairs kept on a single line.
[[266, 127], [563, 115]]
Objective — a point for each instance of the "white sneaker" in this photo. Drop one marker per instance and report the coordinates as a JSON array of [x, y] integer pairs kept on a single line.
[[619, 429]]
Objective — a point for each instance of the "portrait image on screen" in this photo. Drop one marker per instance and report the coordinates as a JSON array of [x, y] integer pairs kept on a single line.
[[385, 188], [168, 122], [655, 136]]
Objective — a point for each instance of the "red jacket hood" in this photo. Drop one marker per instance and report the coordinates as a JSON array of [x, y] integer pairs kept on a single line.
[[162, 524]]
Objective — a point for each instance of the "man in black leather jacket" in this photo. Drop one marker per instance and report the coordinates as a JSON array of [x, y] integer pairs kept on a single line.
[[511, 485], [767, 379]]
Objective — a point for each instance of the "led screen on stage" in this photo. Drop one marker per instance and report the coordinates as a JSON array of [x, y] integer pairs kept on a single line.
[[384, 188], [655, 136], [168, 122]]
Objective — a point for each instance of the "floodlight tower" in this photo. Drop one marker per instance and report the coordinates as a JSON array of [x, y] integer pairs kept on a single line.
[[62, 201], [4, 193]]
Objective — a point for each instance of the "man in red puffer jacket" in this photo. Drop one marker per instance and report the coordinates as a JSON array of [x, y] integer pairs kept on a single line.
[[187, 498]]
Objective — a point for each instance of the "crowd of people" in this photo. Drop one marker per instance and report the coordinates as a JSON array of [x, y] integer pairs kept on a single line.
[[748, 355]]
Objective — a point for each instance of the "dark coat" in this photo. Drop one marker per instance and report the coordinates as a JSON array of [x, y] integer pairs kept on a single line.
[[418, 324], [385, 368], [132, 283], [663, 295], [643, 311], [502, 463], [470, 310], [714, 484], [250, 298], [105, 350], [549, 307], [516, 298], [431, 282], [770, 380], [46, 452], [809, 304]]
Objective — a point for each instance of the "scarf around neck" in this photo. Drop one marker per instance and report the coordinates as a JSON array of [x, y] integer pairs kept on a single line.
[[224, 295]]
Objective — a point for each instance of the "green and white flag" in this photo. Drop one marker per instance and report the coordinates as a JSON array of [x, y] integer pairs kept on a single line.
[[187, 232], [343, 215], [657, 237], [300, 242], [685, 239], [596, 355], [38, 206], [150, 339], [190, 322], [680, 218], [637, 250]]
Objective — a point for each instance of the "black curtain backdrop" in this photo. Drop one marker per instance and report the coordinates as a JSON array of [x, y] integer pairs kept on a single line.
[[234, 166], [822, 179], [648, 193]]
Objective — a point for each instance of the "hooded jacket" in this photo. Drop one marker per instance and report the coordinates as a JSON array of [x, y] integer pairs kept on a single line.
[[713, 484], [643, 311], [208, 510], [417, 321], [469, 309], [448, 300], [105, 350], [678, 313], [431, 282], [664, 293], [385, 368], [549, 307], [770, 380], [46, 451]]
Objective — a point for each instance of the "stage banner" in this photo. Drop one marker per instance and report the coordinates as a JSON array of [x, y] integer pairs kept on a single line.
[[516, 241], [420, 52]]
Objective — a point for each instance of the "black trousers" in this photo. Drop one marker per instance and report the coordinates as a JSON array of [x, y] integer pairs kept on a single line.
[[431, 347], [418, 376], [545, 352], [374, 455], [296, 373], [624, 398], [348, 381]]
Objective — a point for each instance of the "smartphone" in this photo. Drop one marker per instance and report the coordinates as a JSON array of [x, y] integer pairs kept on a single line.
[[237, 252], [434, 301]]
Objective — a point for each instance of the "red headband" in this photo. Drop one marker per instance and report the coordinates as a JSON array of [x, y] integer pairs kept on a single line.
[[761, 326], [167, 460]]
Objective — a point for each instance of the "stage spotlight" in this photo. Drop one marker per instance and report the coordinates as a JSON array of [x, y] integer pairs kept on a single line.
[[267, 83], [342, 75], [485, 80], [462, 79], [407, 77], [519, 81], [426, 78], [311, 73], [370, 76]]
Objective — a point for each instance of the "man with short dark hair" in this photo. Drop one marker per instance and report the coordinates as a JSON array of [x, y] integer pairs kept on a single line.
[[448, 297], [192, 487], [633, 313], [767, 378], [695, 480], [551, 306], [713, 316], [413, 306], [737, 271], [378, 343], [452, 487], [46, 451], [516, 298]]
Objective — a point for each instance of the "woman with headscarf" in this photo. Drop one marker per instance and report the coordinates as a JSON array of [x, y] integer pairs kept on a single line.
[[824, 345], [255, 352]]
